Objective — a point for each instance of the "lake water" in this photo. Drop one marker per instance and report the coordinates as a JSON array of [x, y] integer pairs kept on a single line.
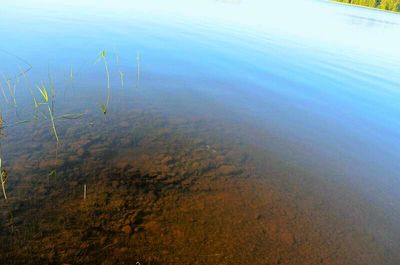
[[236, 132]]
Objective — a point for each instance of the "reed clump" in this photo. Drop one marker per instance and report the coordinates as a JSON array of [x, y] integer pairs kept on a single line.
[[44, 101]]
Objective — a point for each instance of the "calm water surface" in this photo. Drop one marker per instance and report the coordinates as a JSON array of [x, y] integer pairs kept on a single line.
[[238, 132]]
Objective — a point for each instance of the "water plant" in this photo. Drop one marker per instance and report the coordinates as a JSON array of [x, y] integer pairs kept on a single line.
[[84, 192], [122, 75], [71, 78], [103, 109], [71, 116], [4, 94], [138, 67], [1, 127], [71, 74], [52, 174], [3, 178], [52, 91], [103, 57], [3, 173], [11, 88], [43, 91]]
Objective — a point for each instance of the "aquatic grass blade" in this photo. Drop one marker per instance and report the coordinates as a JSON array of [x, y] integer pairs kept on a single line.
[[44, 93], [122, 75], [71, 116], [103, 108]]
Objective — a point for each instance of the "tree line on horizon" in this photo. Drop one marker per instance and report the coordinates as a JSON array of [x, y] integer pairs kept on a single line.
[[392, 5]]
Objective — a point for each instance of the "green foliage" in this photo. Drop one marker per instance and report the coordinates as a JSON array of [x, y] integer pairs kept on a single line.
[[103, 54], [103, 109], [42, 89], [391, 5], [370, 3]]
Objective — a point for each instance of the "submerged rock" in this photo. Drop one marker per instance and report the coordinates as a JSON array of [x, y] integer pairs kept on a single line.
[[51, 163], [226, 170], [127, 229]]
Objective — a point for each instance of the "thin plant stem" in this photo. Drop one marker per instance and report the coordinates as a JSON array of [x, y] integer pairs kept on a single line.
[[3, 180], [10, 89], [53, 124], [102, 56], [138, 69], [45, 96], [52, 90], [108, 82], [84, 192], [4, 94], [71, 74], [71, 80], [121, 74]]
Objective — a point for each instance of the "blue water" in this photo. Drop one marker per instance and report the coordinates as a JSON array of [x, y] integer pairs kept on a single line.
[[320, 79]]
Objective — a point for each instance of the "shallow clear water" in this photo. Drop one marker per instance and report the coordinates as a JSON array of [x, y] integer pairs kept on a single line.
[[308, 91]]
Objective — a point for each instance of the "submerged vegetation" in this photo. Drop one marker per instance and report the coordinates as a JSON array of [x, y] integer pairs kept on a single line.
[[103, 57], [43, 92], [47, 100], [390, 5], [3, 178]]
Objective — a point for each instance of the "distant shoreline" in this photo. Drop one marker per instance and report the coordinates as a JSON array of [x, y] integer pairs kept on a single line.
[[392, 6]]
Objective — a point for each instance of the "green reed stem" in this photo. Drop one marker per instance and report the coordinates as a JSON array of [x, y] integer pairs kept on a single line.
[[52, 90], [45, 96], [53, 124]]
